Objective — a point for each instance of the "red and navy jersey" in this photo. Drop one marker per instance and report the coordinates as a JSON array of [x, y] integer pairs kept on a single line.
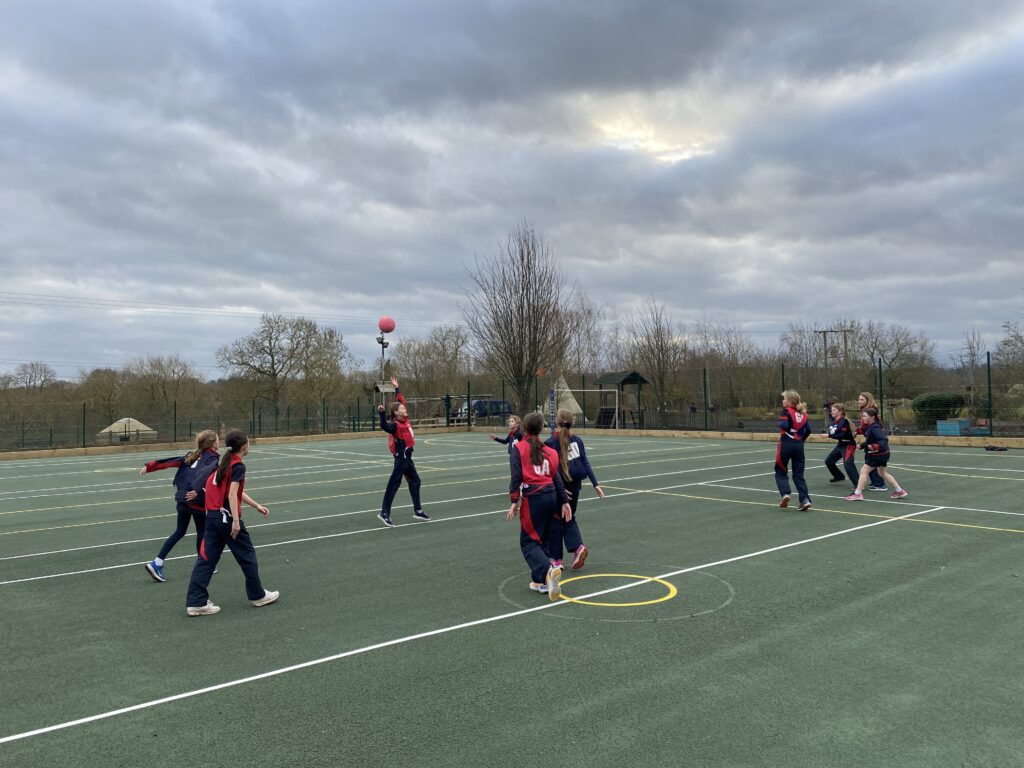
[[217, 493], [515, 436], [876, 442], [793, 425], [841, 430], [401, 438], [579, 464], [529, 479], [188, 473]]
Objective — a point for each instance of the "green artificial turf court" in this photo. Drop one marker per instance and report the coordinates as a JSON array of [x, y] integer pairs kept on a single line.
[[718, 629]]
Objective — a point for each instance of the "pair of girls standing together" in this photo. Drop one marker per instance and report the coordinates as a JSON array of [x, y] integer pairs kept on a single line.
[[545, 484], [217, 486]]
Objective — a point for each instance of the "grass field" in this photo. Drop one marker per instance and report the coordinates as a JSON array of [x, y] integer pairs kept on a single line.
[[879, 633]]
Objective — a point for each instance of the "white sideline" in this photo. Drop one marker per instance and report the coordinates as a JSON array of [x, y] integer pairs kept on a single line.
[[435, 632]]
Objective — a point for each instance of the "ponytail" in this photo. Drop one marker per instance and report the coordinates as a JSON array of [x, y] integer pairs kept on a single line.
[[204, 440], [532, 425], [564, 420], [235, 441]]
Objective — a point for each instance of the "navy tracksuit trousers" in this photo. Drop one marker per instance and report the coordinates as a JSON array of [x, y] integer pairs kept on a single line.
[[791, 452], [845, 453], [403, 468], [185, 514], [217, 536], [539, 526], [569, 531]]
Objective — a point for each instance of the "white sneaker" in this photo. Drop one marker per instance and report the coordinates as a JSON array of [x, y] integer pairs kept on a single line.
[[267, 599], [203, 610], [552, 582]]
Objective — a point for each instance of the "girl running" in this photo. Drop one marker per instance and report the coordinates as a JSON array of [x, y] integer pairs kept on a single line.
[[876, 456], [840, 430], [225, 492], [198, 463], [867, 400], [574, 465], [400, 441], [515, 434], [794, 428], [539, 496]]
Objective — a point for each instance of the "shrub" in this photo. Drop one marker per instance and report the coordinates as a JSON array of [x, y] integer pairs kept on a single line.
[[934, 406]]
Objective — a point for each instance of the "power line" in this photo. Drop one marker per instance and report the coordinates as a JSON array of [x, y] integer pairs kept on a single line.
[[80, 302]]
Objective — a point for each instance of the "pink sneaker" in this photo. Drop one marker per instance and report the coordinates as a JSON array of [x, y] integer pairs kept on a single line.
[[855, 496], [899, 494], [785, 501], [581, 557]]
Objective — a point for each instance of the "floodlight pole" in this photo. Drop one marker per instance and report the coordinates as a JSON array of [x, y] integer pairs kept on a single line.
[[383, 345]]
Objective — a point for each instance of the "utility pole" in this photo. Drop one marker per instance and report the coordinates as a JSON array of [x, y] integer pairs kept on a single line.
[[846, 351]]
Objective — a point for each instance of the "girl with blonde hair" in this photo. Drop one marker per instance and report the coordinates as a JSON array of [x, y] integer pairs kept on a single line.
[[794, 428], [193, 469]]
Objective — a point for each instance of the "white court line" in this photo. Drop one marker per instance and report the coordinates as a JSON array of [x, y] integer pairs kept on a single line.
[[264, 472], [292, 521], [376, 528], [437, 632], [882, 499]]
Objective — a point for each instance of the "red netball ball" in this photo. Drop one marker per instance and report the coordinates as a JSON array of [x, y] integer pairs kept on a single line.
[[386, 324]]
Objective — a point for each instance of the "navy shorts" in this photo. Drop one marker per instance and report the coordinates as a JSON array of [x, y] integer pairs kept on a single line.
[[876, 461]]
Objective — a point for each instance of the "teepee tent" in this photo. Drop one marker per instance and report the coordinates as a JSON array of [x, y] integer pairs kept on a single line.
[[125, 430], [564, 398]]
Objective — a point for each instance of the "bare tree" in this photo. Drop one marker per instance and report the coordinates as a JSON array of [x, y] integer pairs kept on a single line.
[[659, 347], [436, 365], [323, 363], [163, 379], [272, 356], [101, 388], [516, 313], [584, 353], [35, 375], [904, 354]]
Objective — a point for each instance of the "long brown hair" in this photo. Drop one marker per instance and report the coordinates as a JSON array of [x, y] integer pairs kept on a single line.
[[564, 421], [236, 439], [533, 423], [204, 440]]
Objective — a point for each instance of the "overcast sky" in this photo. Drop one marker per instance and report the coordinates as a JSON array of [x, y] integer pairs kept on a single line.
[[169, 170]]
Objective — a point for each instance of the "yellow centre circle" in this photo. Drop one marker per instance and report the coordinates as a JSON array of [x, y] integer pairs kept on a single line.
[[671, 590]]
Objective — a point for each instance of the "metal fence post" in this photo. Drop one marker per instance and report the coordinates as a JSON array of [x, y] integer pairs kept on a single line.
[[706, 404]]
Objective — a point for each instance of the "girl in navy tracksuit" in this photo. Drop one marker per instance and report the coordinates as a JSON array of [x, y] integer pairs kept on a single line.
[[515, 434], [401, 441], [225, 493], [539, 496], [840, 430], [867, 400], [574, 465], [190, 502], [794, 429], [876, 456]]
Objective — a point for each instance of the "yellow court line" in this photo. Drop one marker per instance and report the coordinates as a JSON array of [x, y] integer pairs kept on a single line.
[[824, 509], [672, 591]]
